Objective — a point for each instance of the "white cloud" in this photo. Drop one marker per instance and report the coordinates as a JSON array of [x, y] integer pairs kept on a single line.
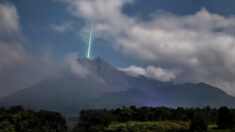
[[201, 46], [62, 27], [150, 72], [159, 74], [9, 19], [133, 70]]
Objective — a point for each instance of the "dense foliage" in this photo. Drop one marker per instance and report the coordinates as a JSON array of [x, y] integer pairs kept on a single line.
[[100, 120], [17, 119]]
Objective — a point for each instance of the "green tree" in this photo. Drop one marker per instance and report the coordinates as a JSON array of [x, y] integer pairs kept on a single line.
[[198, 123], [225, 118], [6, 126], [17, 119]]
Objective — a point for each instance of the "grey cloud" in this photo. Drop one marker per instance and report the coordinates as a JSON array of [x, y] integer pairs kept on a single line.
[[75, 67], [11, 54], [11, 51], [82, 72], [18, 68], [24, 74]]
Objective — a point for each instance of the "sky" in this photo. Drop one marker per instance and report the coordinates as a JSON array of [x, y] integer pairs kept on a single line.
[[168, 40]]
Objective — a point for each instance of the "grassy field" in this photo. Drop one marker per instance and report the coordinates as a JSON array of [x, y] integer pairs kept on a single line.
[[164, 126], [212, 128]]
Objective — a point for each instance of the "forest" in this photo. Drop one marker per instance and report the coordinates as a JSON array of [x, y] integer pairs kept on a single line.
[[125, 119]]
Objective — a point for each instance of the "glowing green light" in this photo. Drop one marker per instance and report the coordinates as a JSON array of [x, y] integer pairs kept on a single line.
[[90, 41]]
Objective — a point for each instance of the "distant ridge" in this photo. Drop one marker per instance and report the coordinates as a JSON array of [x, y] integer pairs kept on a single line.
[[105, 86]]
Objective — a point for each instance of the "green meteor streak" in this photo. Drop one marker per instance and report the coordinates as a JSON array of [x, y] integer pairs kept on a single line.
[[90, 41]]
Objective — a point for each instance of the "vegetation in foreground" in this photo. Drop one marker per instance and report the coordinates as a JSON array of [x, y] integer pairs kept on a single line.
[[126, 119], [17, 119]]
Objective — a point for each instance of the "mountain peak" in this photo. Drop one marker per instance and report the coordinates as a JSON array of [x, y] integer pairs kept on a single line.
[[96, 59], [97, 64], [83, 60]]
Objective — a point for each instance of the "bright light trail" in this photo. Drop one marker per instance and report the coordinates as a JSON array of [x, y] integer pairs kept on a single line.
[[90, 40]]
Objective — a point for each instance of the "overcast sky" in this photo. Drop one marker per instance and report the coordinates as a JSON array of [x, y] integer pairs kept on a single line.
[[167, 40]]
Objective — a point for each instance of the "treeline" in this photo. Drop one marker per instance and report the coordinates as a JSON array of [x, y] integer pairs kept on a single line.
[[126, 119], [17, 119], [199, 118]]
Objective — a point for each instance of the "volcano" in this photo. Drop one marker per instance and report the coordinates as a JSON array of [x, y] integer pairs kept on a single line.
[[94, 83]]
